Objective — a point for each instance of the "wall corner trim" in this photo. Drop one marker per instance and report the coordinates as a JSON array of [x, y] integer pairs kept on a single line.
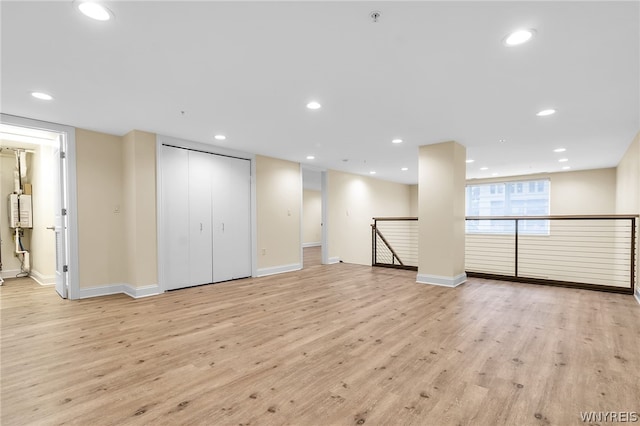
[[333, 260], [106, 290], [42, 279], [263, 272], [441, 281]]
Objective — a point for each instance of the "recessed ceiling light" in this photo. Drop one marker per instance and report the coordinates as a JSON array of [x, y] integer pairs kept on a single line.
[[484, 168], [560, 150], [220, 137], [563, 160], [310, 157], [566, 167], [546, 112], [314, 105], [372, 172], [43, 96], [396, 141], [494, 174], [404, 169], [518, 37], [502, 140], [469, 161], [95, 10]]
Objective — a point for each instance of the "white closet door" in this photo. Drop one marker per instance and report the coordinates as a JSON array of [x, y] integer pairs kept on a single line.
[[232, 226], [200, 218], [175, 212]]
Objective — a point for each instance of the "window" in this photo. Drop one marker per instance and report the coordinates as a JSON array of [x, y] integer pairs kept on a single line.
[[530, 198]]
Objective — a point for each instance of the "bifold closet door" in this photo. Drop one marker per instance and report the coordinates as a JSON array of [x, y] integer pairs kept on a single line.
[[200, 218], [232, 221], [175, 212]]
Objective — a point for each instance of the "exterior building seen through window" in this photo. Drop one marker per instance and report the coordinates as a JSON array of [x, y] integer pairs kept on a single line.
[[523, 198]]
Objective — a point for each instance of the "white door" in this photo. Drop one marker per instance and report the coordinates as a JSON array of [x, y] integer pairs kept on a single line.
[[175, 213], [232, 225], [60, 222], [200, 219]]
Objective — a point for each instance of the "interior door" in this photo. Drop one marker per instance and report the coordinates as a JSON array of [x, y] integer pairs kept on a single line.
[[232, 225], [200, 218], [60, 219], [175, 216]]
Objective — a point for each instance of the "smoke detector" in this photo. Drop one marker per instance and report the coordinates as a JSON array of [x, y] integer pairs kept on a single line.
[[375, 15]]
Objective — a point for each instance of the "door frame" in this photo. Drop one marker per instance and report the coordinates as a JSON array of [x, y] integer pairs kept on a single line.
[[69, 134], [324, 231], [160, 228]]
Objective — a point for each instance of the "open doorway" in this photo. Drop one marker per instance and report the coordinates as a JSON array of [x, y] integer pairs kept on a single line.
[[35, 201], [313, 232]]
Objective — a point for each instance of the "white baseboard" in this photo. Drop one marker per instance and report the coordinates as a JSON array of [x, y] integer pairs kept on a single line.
[[316, 244], [106, 290], [9, 273], [42, 279], [441, 281], [263, 272], [637, 295], [144, 291], [333, 260]]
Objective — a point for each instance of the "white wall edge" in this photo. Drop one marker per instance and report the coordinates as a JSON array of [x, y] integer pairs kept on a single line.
[[43, 279], [440, 280], [637, 295], [144, 291], [315, 244], [333, 260], [263, 272], [9, 273]]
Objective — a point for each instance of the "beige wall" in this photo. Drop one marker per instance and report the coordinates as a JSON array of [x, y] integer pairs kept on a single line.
[[311, 217], [628, 193], [278, 204], [101, 238], [139, 208], [352, 203], [413, 200], [574, 193]]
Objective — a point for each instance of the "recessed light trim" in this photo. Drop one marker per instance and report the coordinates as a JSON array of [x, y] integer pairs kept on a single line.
[[546, 112], [560, 150], [484, 168], [494, 174], [220, 137], [314, 105], [469, 161], [563, 160], [372, 172], [42, 96], [566, 167], [95, 10], [311, 157], [518, 37], [404, 169], [396, 141]]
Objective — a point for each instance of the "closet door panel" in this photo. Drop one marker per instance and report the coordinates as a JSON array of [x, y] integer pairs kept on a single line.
[[221, 226], [175, 199], [200, 218]]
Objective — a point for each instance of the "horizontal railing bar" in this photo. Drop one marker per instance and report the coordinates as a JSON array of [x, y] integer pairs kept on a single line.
[[555, 217], [394, 218]]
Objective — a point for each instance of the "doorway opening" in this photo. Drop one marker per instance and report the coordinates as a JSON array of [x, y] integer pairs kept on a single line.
[[314, 245], [35, 201]]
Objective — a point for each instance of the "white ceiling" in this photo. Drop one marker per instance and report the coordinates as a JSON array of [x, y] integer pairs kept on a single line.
[[427, 72]]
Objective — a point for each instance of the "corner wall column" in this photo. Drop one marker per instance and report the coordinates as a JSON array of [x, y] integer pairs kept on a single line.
[[441, 213]]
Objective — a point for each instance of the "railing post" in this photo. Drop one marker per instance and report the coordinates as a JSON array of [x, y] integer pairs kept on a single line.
[[374, 244], [516, 250]]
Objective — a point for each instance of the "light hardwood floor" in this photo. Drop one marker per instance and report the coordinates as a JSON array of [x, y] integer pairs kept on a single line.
[[339, 344], [312, 256]]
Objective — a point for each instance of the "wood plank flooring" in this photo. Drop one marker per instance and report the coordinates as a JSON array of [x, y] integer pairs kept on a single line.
[[330, 345], [312, 256]]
